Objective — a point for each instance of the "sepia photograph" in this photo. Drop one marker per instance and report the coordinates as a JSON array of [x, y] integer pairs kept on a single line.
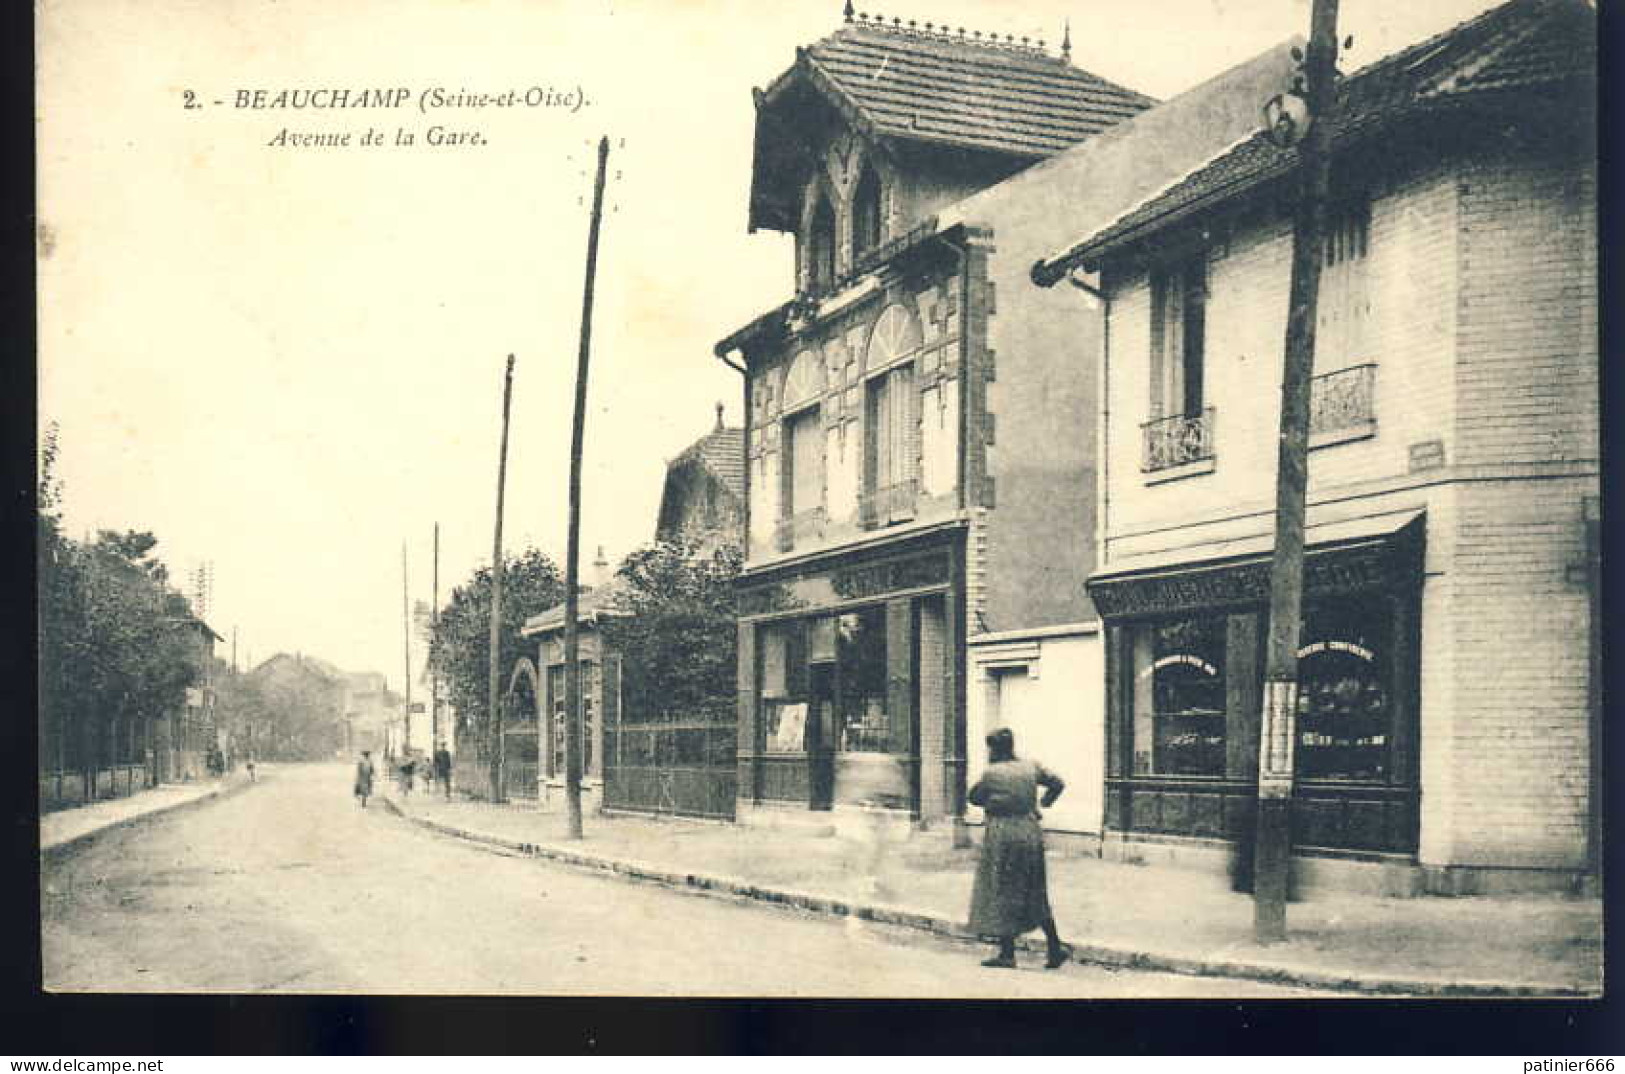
[[959, 500]]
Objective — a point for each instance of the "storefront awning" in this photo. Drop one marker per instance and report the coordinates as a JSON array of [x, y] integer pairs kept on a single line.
[[1379, 552]]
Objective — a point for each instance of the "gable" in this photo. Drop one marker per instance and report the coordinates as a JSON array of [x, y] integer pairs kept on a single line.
[[896, 87]]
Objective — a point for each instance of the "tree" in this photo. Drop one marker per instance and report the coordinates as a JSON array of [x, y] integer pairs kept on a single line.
[[300, 701], [460, 645], [114, 653], [678, 638]]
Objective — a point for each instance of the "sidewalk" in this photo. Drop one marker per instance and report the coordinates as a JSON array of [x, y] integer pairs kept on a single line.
[[67, 827], [1118, 914]]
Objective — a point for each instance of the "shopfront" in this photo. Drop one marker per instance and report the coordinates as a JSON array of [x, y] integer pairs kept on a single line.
[[1185, 662], [849, 681]]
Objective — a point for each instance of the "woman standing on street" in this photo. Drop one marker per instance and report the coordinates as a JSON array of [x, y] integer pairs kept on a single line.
[[1011, 893], [363, 777]]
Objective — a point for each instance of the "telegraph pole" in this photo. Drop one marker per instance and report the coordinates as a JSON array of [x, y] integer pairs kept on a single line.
[[572, 555], [493, 699], [406, 660], [434, 634], [1278, 721]]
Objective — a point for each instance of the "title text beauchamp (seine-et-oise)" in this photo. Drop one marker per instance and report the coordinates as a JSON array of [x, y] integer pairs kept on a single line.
[[428, 98]]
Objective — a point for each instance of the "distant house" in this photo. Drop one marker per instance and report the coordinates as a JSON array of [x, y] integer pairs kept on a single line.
[[703, 498], [308, 699], [368, 708], [1448, 720], [181, 740], [641, 761]]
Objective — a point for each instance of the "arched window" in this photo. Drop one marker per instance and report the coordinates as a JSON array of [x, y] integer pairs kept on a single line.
[[804, 380], [866, 213], [821, 247]]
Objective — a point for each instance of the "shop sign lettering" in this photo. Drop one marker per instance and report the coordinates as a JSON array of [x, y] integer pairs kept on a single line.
[[1342, 571], [877, 578]]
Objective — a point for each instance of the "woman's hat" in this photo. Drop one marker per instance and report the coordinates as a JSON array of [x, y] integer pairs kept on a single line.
[[1002, 737]]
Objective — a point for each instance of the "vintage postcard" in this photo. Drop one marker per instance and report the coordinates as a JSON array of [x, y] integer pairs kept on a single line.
[[953, 500]]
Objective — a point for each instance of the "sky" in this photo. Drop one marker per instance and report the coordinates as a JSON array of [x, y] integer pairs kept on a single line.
[[287, 360]]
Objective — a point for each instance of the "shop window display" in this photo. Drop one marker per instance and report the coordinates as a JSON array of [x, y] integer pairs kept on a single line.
[[1179, 697], [860, 642], [784, 688], [1344, 713]]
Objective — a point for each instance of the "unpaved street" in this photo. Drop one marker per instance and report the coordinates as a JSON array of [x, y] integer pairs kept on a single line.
[[289, 887]]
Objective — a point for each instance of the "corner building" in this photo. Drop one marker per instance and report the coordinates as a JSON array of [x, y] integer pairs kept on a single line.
[[876, 472]]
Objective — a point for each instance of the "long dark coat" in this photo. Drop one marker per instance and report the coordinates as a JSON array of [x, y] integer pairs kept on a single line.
[[363, 778], [1011, 892]]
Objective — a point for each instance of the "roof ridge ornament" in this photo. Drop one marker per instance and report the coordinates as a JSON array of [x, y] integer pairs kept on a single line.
[[932, 31], [1066, 42]]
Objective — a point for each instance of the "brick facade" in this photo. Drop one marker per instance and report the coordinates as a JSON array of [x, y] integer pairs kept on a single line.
[[1481, 275]]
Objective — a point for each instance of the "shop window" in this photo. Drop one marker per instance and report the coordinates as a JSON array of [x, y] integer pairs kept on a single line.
[[1345, 710], [1178, 669], [866, 213], [783, 691], [863, 721], [821, 247]]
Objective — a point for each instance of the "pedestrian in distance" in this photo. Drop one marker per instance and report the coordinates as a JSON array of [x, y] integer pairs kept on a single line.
[[408, 770], [363, 777], [442, 770], [1010, 895], [251, 770]]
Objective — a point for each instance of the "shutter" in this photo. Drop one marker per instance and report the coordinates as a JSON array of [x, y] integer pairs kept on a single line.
[[747, 708], [908, 475], [900, 674]]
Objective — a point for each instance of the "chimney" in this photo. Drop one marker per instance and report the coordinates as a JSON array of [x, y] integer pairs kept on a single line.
[[600, 569]]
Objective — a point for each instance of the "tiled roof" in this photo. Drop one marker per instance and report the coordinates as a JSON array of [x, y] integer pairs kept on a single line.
[[1521, 45], [722, 451], [592, 602], [931, 86], [937, 87]]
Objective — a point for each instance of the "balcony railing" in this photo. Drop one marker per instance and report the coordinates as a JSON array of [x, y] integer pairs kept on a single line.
[[888, 503], [799, 528], [1343, 400], [1177, 440]]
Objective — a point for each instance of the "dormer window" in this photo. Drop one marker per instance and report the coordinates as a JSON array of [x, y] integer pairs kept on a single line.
[[821, 247], [866, 213]]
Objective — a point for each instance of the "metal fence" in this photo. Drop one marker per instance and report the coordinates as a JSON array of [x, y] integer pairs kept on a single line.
[[686, 768], [59, 790]]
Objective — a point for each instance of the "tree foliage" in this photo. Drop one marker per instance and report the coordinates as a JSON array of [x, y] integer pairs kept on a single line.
[[460, 645], [678, 638], [297, 708], [114, 654]]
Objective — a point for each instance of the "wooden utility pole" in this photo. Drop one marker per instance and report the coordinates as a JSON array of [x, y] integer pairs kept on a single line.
[[406, 660], [434, 634], [572, 554], [493, 699], [1278, 721]]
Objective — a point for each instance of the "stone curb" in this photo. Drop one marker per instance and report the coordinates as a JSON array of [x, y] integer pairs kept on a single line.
[[77, 841], [1098, 954]]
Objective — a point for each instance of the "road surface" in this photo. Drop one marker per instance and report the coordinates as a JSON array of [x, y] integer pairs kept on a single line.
[[288, 886]]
